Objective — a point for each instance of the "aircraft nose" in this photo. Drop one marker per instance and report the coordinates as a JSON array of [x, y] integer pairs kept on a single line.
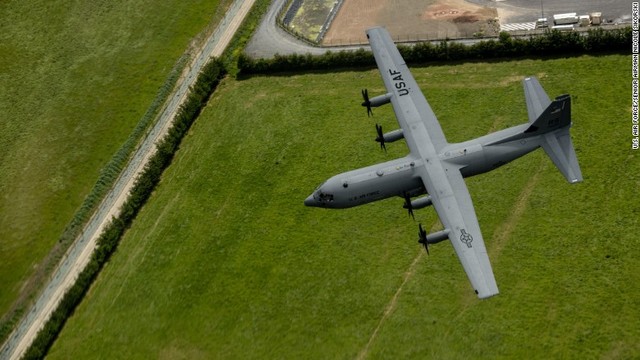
[[310, 201]]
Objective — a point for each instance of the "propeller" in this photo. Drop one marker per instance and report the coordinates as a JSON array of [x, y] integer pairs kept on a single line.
[[366, 102], [423, 238], [380, 137], [407, 205]]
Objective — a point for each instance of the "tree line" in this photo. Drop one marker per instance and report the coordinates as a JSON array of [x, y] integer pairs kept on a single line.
[[551, 43], [144, 185]]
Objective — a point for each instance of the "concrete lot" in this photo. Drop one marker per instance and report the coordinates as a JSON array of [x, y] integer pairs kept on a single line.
[[516, 11], [270, 39]]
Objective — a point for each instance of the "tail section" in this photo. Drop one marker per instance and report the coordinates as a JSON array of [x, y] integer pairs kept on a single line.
[[536, 97], [552, 122], [558, 146], [557, 115]]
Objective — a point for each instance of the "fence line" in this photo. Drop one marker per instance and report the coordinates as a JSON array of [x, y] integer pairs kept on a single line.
[[327, 24], [445, 35], [408, 38]]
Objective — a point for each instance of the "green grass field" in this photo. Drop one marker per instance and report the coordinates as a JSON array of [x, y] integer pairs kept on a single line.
[[76, 78], [225, 261]]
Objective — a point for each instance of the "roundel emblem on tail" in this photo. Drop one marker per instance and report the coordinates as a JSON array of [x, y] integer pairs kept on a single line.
[[466, 238]]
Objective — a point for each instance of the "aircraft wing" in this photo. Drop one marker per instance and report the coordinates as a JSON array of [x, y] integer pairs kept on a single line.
[[442, 180], [409, 104], [451, 199]]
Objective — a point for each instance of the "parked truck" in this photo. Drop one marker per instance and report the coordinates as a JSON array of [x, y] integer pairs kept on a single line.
[[542, 23], [565, 19], [585, 20]]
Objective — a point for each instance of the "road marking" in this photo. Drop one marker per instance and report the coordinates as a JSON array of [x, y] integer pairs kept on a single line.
[[518, 26]]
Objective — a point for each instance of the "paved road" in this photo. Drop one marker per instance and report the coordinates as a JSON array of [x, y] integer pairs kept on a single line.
[[270, 39], [80, 252]]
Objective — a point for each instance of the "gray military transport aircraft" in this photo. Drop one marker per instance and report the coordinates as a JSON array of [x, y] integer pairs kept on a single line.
[[436, 168]]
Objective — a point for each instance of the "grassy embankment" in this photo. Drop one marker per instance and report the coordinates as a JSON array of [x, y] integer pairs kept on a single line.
[[310, 18], [224, 261], [77, 78]]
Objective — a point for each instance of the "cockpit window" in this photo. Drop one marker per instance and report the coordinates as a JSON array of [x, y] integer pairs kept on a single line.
[[320, 186], [325, 196]]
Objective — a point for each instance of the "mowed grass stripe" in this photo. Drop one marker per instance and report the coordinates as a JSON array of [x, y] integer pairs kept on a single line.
[[504, 231], [391, 306], [76, 78], [237, 267]]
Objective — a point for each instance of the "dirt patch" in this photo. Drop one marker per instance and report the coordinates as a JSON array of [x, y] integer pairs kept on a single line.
[[466, 19], [411, 20], [458, 11]]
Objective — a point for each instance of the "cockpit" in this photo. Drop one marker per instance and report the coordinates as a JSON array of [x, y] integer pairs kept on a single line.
[[320, 197]]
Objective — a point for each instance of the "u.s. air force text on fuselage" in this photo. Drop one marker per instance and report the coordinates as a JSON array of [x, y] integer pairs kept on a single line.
[[432, 174]]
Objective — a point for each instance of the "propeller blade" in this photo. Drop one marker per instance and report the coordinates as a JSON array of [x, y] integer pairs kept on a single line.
[[408, 206], [423, 238], [380, 137], [366, 102]]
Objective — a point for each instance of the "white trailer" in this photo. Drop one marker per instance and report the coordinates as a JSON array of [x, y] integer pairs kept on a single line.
[[562, 27], [565, 19]]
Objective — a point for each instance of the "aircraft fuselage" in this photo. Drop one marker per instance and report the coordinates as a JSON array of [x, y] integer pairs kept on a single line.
[[397, 177]]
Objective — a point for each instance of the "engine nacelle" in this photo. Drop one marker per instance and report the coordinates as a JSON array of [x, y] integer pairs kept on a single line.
[[380, 100], [421, 203], [394, 135], [438, 236]]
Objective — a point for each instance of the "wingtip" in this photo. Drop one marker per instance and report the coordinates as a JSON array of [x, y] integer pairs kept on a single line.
[[374, 29], [487, 295]]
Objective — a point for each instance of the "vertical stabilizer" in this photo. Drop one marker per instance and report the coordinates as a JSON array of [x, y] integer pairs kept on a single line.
[[556, 116]]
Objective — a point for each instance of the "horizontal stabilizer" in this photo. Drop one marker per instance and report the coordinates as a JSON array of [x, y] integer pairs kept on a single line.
[[552, 119], [558, 146], [536, 97]]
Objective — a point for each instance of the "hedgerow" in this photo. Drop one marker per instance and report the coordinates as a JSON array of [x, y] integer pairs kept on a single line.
[[551, 43], [207, 82], [107, 178]]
